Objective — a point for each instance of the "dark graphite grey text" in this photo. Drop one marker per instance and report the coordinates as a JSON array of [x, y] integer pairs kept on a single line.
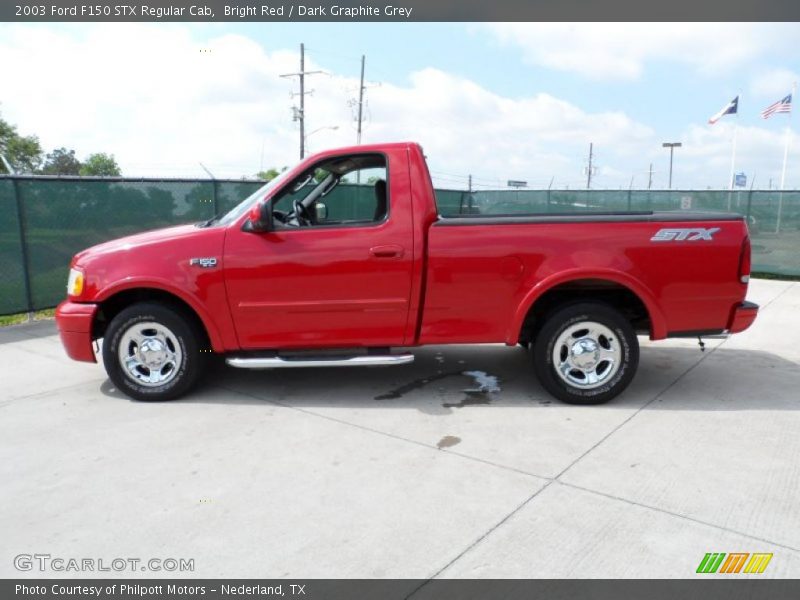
[[312, 11]]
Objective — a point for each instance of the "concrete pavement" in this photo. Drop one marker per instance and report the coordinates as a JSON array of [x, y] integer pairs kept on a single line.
[[409, 471]]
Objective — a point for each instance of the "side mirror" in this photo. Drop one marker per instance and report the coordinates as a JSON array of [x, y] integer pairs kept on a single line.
[[259, 219], [321, 211]]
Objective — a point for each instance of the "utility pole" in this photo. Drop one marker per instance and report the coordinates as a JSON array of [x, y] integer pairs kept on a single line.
[[671, 146], [353, 103], [470, 184], [650, 178], [300, 115], [302, 100], [361, 99], [589, 170]]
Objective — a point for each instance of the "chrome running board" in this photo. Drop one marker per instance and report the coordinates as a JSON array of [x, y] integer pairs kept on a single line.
[[277, 362]]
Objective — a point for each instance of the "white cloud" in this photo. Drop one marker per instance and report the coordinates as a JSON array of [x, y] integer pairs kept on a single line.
[[466, 128], [149, 95], [619, 51], [708, 150], [146, 93], [773, 83]]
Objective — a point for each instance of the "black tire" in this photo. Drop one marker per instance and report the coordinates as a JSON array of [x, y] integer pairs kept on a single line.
[[621, 341], [185, 339]]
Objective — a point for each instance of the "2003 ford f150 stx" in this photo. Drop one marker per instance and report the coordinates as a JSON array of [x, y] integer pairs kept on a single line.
[[344, 260]]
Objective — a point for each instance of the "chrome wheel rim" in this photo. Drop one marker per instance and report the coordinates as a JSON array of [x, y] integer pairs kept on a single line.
[[150, 354], [587, 354]]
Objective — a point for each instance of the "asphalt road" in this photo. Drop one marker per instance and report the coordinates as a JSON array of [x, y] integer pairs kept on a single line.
[[411, 471]]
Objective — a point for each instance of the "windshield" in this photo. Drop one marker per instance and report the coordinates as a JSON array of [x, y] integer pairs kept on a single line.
[[241, 208]]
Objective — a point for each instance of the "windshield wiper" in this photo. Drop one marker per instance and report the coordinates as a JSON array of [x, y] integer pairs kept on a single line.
[[208, 223]]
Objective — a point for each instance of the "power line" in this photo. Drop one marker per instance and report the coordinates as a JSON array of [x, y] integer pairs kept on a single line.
[[317, 50], [489, 180]]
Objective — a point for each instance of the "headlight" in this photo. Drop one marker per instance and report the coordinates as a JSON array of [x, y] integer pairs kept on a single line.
[[75, 282]]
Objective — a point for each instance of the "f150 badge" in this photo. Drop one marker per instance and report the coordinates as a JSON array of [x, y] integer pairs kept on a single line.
[[689, 235], [205, 262]]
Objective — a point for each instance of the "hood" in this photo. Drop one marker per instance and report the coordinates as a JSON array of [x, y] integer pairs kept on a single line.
[[160, 258], [140, 240]]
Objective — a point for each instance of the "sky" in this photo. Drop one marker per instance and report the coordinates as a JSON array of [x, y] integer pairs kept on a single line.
[[497, 101]]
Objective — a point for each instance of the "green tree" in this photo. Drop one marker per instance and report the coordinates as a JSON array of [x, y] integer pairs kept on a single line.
[[23, 152], [270, 174], [100, 164], [61, 162]]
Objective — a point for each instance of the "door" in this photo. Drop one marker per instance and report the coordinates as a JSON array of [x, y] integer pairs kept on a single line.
[[336, 270]]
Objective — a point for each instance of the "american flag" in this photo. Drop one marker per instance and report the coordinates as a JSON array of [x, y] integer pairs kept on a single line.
[[781, 106]]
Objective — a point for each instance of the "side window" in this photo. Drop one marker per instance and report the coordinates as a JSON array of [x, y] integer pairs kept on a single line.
[[361, 196], [346, 190]]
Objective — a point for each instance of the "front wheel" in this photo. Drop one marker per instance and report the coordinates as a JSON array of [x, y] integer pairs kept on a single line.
[[586, 353], [152, 352]]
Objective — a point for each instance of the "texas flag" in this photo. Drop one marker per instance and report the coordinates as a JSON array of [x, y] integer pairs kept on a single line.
[[729, 109]]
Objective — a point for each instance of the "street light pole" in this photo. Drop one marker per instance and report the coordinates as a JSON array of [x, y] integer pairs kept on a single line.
[[671, 146], [305, 139]]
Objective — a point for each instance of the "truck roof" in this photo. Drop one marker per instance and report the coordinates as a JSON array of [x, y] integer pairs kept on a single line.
[[376, 147]]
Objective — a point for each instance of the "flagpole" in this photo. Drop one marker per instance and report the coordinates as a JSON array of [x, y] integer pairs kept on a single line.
[[733, 151], [785, 157]]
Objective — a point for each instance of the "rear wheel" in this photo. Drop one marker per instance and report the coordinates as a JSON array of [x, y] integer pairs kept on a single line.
[[152, 351], [586, 353]]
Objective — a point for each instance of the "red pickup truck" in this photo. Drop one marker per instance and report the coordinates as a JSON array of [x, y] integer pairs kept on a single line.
[[344, 260]]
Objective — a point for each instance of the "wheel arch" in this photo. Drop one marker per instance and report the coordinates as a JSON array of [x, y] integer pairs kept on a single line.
[[114, 300], [614, 287]]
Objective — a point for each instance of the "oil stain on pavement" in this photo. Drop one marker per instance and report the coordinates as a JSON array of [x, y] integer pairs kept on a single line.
[[480, 393], [448, 441], [471, 398], [417, 384]]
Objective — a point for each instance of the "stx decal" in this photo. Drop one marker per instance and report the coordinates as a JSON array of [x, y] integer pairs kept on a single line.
[[714, 562], [689, 235]]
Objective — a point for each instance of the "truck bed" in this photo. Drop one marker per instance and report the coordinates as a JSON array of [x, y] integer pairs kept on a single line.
[[485, 271]]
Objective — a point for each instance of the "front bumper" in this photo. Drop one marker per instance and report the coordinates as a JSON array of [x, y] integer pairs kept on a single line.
[[74, 323], [742, 316]]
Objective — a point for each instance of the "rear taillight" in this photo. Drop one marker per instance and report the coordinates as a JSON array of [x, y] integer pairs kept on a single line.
[[744, 261]]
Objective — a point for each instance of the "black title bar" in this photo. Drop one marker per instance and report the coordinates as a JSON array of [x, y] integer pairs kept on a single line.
[[365, 11], [702, 588]]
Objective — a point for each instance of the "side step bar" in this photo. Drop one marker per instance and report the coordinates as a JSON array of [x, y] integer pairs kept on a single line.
[[277, 362]]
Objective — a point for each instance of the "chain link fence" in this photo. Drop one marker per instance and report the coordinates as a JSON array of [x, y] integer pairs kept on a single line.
[[772, 216], [44, 221]]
